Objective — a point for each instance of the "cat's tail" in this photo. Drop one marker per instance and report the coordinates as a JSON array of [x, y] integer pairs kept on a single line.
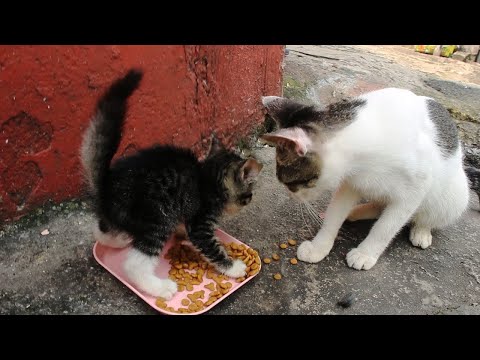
[[473, 175], [103, 136]]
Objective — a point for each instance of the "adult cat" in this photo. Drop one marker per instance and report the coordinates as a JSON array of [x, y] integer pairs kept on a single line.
[[391, 147], [141, 199]]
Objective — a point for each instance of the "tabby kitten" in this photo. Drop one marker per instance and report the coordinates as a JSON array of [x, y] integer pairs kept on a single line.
[[141, 199]]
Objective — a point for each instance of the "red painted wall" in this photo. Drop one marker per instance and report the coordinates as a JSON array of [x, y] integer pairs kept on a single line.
[[47, 94]]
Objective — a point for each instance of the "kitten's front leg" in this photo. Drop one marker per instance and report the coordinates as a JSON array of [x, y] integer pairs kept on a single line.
[[393, 218], [202, 236], [338, 209]]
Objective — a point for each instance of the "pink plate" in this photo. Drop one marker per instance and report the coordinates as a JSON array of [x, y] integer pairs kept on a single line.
[[112, 259]]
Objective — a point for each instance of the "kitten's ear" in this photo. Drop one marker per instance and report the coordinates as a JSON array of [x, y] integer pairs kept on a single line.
[[292, 139], [215, 145], [281, 110], [249, 170]]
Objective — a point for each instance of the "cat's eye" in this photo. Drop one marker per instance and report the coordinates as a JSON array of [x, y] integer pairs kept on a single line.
[[245, 199], [294, 186]]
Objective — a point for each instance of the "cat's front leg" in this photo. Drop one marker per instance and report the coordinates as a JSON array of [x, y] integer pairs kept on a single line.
[[202, 235], [337, 211], [393, 218]]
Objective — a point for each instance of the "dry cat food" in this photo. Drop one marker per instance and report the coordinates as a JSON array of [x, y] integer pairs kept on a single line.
[[293, 261], [275, 257], [267, 260], [189, 269], [283, 246], [277, 276], [292, 242]]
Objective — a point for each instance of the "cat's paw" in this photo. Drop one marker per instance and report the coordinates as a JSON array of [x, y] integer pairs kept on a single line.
[[421, 237], [359, 260], [164, 288], [237, 269], [310, 253]]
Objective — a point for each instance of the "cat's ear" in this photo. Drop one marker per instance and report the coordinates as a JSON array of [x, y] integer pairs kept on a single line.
[[286, 112], [249, 170], [292, 139], [215, 145]]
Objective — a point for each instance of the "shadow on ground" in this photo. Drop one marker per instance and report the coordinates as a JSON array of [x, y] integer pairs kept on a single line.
[[57, 274]]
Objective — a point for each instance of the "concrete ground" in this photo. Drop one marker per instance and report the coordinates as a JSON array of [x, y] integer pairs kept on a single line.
[[57, 274]]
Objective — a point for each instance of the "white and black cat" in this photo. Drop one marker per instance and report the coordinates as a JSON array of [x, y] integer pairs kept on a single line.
[[397, 150], [141, 199]]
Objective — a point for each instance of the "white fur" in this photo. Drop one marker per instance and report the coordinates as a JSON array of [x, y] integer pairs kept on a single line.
[[268, 99], [237, 269], [421, 236], [140, 269], [114, 240], [387, 155], [337, 211]]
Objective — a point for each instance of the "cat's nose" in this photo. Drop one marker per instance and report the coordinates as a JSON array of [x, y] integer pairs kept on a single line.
[[292, 188]]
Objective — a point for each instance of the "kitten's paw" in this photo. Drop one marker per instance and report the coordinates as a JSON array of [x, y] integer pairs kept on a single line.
[[421, 237], [359, 260], [310, 253], [164, 288], [237, 269]]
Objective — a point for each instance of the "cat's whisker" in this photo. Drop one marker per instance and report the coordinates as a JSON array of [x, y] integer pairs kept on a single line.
[[314, 214], [313, 209], [306, 209], [304, 221]]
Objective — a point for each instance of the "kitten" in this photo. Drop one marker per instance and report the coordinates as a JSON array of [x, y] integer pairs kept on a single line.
[[397, 150], [141, 199]]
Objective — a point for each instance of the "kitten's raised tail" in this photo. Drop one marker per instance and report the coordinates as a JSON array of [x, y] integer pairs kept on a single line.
[[103, 136]]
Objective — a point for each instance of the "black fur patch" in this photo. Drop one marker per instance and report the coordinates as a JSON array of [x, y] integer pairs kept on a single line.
[[447, 133], [289, 113], [341, 113]]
